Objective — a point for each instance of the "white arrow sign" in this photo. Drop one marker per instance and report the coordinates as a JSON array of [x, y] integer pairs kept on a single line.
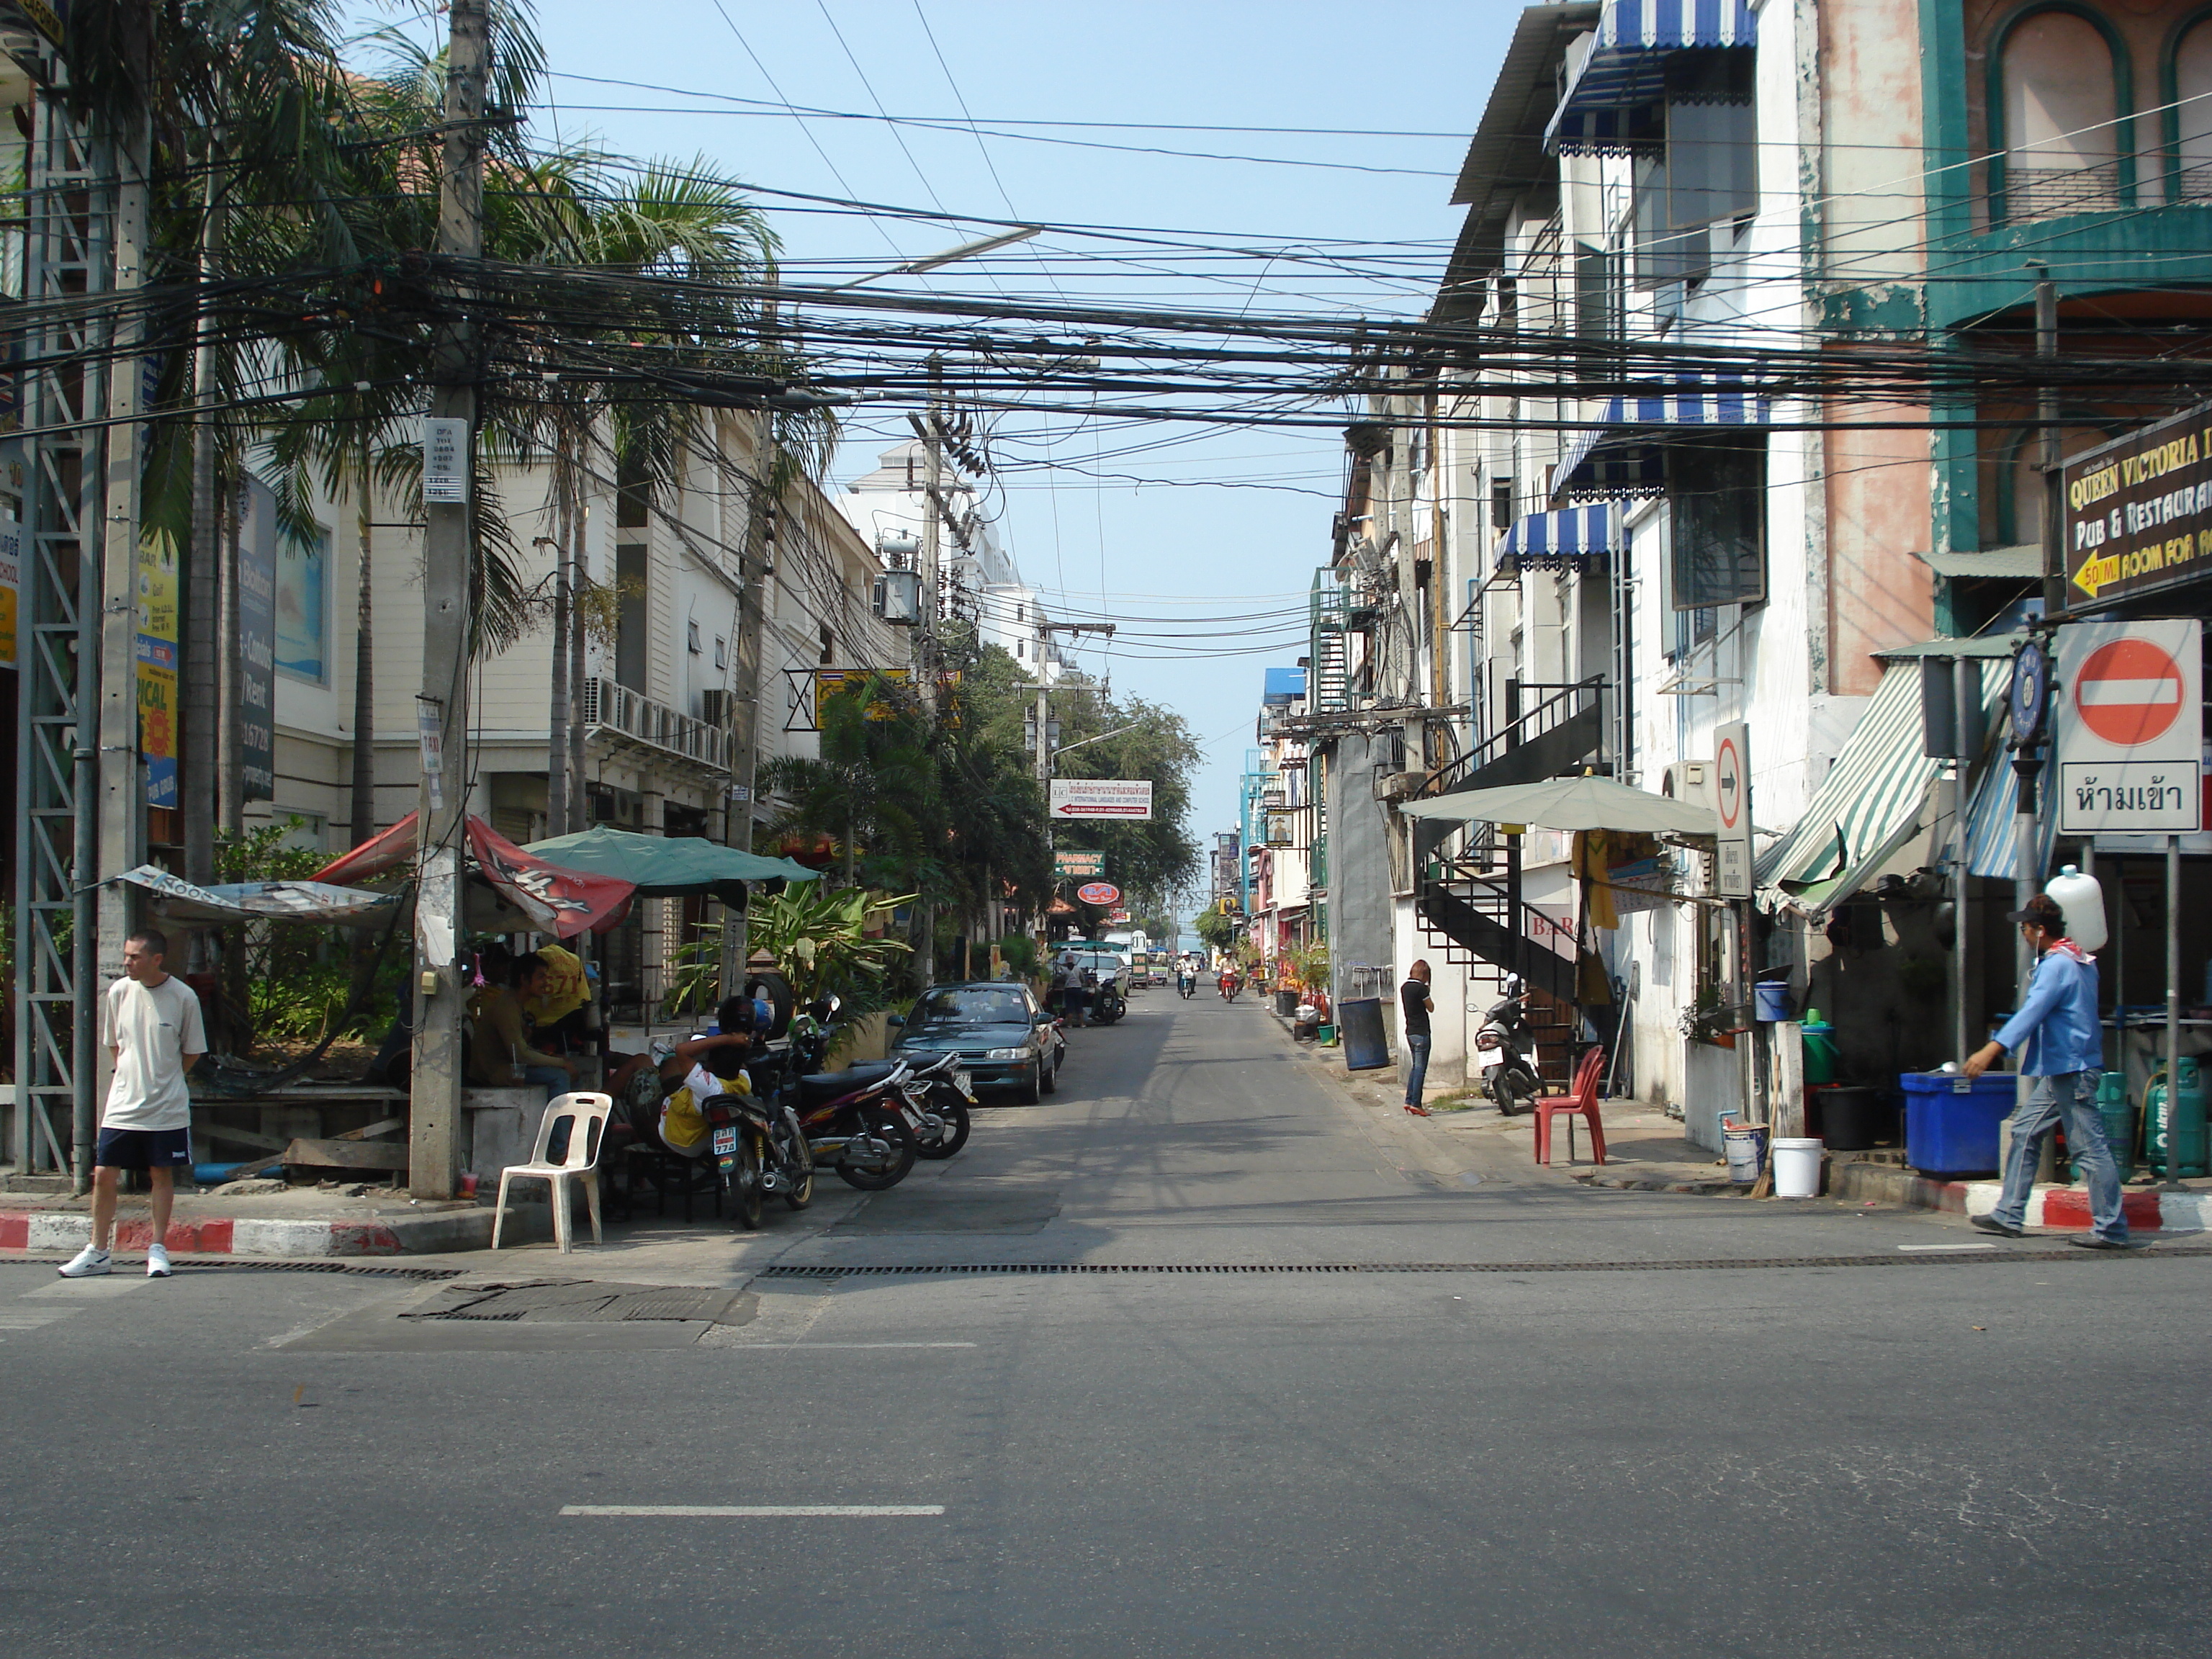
[[1129, 800]]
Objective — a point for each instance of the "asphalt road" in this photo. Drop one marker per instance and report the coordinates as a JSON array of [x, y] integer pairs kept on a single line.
[[1551, 1437]]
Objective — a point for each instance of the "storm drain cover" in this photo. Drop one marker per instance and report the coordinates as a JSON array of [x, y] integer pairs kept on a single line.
[[575, 1302]]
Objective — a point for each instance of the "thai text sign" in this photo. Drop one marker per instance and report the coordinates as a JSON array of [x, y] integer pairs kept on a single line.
[[1078, 861], [2131, 727], [1129, 800], [2139, 512]]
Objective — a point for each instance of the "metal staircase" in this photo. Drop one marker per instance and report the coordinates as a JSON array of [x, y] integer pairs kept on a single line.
[[1467, 883]]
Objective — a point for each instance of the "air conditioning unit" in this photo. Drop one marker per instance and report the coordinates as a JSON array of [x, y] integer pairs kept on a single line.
[[1692, 781], [1397, 785], [714, 709]]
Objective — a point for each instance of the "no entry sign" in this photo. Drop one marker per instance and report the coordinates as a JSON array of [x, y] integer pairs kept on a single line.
[[2131, 727]]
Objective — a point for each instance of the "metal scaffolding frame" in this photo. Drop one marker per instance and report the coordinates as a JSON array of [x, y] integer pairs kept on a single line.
[[68, 257]]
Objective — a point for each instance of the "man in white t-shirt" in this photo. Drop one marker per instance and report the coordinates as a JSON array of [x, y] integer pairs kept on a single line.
[[150, 1022]]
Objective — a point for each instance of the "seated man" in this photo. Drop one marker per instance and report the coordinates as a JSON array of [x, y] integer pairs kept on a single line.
[[501, 1054], [557, 1004], [663, 1091]]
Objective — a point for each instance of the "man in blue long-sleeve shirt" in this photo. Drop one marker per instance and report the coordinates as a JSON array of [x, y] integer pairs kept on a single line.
[[2064, 1053]]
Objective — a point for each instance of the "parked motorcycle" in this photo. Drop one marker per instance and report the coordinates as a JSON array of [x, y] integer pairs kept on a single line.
[[1107, 1003], [939, 1094], [758, 1147], [1506, 1046], [855, 1120]]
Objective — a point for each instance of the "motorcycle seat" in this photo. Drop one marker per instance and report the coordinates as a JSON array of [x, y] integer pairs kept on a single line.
[[828, 1085]]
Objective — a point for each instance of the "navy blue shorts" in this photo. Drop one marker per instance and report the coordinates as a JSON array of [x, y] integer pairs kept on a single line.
[[141, 1149]]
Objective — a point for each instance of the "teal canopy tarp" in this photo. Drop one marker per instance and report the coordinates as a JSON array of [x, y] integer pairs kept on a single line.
[[664, 867]]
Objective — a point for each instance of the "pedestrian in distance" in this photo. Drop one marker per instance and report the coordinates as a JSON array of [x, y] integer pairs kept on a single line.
[[2062, 1048], [150, 1021], [1414, 1005]]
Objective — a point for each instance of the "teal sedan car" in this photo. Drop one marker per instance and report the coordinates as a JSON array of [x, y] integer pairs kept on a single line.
[[1003, 1035]]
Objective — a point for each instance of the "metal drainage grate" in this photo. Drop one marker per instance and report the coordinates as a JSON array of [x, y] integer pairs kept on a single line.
[[268, 1264], [843, 1270]]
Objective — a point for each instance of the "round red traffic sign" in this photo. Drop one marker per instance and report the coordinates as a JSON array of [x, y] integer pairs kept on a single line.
[[1728, 778], [1099, 893], [2128, 692]]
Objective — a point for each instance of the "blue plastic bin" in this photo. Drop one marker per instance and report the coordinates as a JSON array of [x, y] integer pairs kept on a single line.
[[1951, 1122]]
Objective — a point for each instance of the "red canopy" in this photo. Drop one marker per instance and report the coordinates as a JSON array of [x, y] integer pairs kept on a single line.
[[565, 903]]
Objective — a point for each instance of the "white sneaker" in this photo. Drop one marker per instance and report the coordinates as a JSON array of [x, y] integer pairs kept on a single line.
[[85, 1263], [157, 1262]]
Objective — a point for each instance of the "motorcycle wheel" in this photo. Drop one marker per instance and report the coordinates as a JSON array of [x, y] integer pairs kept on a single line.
[[956, 1132], [801, 1193], [745, 1186], [883, 1177]]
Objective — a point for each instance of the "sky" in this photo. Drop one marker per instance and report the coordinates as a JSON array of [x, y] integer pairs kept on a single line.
[[1154, 522]]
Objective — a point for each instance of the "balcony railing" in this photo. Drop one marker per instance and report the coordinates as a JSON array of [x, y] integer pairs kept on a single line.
[[624, 713]]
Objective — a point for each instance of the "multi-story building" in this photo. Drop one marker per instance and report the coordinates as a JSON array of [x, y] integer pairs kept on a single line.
[[1662, 463], [978, 580]]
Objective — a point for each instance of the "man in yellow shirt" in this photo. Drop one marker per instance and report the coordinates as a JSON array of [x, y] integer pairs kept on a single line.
[[564, 995], [501, 1054]]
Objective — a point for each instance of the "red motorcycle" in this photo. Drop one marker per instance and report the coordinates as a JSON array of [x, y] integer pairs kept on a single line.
[[1230, 985]]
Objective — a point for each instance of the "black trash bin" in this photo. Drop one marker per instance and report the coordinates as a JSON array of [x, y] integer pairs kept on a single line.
[[1852, 1118], [1360, 1026]]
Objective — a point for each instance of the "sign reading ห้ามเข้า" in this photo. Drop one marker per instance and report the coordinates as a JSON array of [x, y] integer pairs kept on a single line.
[[2139, 513]]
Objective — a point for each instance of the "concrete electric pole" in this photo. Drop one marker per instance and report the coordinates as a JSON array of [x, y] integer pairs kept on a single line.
[[434, 1088]]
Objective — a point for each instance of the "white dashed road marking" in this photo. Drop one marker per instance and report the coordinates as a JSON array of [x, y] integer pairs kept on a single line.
[[757, 1512]]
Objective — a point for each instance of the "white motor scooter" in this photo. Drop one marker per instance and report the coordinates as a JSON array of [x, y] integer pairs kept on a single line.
[[1506, 1047]]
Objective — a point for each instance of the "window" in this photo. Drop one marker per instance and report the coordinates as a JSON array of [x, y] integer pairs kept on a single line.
[[1501, 504], [691, 637], [1708, 173], [2192, 114], [631, 645], [1597, 307], [1717, 486], [2063, 122], [721, 651]]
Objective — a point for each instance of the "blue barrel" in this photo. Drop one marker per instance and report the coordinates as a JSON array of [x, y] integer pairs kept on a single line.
[[1951, 1121], [1359, 1021]]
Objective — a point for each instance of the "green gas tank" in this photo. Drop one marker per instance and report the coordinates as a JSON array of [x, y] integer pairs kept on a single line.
[[2188, 1121]]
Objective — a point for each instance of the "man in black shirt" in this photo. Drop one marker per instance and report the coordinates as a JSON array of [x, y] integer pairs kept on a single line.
[[1413, 999]]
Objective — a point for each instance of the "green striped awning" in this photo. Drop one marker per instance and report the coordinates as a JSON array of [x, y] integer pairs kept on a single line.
[[1869, 803]]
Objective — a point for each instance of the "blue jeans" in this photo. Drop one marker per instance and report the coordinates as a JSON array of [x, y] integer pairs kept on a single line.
[[2069, 1098], [1417, 1060]]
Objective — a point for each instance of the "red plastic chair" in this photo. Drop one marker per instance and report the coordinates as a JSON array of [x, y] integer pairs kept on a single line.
[[1579, 1102]]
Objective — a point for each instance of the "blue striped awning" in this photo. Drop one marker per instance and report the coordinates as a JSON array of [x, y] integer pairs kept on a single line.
[[1614, 103], [1993, 831], [1620, 456], [1558, 541]]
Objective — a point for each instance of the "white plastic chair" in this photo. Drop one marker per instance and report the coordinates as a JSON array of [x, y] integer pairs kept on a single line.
[[587, 1117]]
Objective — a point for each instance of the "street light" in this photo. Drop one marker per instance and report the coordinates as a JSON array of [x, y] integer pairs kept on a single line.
[[965, 251]]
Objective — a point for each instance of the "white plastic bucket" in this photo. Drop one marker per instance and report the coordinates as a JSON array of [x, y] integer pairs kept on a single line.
[[1797, 1168], [1745, 1147]]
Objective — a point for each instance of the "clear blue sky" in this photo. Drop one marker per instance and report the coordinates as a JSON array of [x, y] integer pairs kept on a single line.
[[1173, 544]]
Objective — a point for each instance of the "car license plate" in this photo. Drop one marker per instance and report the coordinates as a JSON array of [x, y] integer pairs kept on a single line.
[[726, 1141], [965, 1082]]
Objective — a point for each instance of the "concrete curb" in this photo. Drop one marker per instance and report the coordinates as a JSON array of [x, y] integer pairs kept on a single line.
[[2063, 1208], [428, 1235]]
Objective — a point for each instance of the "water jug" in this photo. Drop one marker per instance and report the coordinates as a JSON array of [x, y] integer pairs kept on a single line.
[[2083, 901]]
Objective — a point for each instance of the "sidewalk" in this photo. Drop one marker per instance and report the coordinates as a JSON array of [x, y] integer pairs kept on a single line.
[[2185, 1209], [304, 1222]]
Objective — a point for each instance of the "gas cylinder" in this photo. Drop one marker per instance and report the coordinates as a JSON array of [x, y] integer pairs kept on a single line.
[[2083, 901], [2188, 1121]]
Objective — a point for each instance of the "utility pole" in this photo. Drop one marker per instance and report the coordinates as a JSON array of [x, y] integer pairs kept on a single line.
[[196, 795], [121, 798], [755, 572], [435, 1087]]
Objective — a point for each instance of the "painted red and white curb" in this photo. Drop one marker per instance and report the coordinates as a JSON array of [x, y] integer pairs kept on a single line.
[[69, 1232], [2066, 1209]]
